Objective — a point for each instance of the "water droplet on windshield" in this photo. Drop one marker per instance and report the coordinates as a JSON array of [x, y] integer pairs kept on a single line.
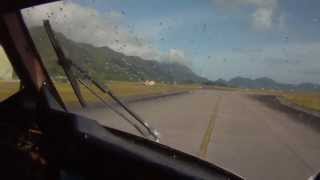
[[204, 28]]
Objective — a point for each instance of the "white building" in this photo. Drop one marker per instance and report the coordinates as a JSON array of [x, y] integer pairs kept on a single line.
[[149, 83]]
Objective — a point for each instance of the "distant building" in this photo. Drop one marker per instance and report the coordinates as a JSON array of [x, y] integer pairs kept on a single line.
[[6, 71], [61, 79], [149, 83]]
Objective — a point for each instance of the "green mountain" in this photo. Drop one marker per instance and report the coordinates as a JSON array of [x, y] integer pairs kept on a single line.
[[106, 64], [268, 83]]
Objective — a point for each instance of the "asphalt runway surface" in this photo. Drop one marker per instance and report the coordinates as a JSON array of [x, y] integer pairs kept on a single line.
[[232, 130]]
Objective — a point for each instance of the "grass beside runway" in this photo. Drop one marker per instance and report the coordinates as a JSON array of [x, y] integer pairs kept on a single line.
[[307, 100], [8, 88], [120, 88]]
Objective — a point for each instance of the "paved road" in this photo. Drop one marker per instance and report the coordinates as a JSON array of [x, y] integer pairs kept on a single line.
[[232, 130]]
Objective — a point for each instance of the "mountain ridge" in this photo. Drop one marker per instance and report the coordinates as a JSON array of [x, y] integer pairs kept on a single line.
[[106, 64], [267, 83]]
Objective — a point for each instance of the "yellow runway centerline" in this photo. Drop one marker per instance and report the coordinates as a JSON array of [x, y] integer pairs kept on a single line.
[[208, 134]]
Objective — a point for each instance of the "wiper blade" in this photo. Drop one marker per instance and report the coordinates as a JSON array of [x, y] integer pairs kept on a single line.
[[152, 132], [65, 65], [68, 65]]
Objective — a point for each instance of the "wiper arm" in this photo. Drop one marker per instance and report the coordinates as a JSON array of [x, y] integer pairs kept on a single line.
[[67, 66], [105, 89], [112, 108]]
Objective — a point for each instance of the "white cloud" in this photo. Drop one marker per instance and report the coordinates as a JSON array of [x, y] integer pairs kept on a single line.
[[85, 24], [177, 56], [154, 28], [240, 3], [264, 16], [261, 3]]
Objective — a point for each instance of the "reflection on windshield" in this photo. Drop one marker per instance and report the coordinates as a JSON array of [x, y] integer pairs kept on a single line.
[[234, 82]]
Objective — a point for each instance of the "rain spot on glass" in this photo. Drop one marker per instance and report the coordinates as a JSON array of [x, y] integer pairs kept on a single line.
[[316, 20], [204, 28], [174, 156]]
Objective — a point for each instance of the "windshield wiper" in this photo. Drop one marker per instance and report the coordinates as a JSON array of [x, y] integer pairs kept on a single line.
[[68, 65]]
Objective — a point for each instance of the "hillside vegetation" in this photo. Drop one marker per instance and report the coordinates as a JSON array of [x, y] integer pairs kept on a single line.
[[106, 64]]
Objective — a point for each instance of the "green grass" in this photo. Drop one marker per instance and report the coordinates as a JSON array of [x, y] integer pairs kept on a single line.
[[8, 88], [121, 89], [309, 101]]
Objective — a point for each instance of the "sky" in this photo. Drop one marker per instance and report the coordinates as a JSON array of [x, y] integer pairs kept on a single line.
[[278, 39]]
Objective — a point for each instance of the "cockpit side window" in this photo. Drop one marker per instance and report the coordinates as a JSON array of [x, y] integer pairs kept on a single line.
[[9, 81]]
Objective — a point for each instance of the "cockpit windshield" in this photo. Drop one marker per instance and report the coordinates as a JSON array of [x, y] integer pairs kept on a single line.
[[233, 82]]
